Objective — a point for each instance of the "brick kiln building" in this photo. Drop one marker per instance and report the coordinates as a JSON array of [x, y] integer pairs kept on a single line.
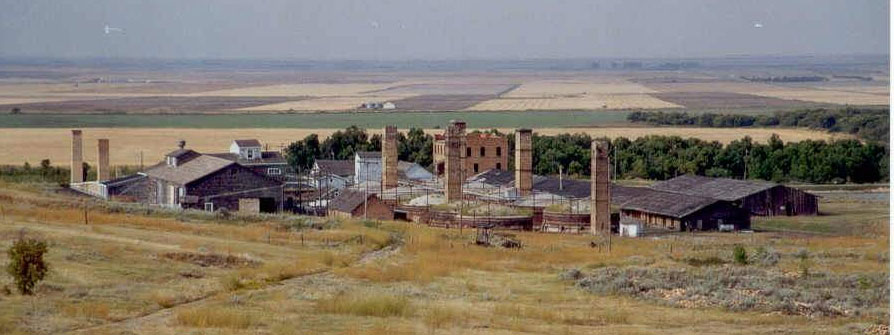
[[248, 153], [758, 197], [681, 212], [480, 152]]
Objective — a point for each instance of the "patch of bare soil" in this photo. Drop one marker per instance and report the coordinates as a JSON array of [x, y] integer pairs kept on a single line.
[[209, 260]]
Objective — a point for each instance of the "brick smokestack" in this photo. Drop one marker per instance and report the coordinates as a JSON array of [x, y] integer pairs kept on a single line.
[[524, 161], [77, 157], [600, 188], [102, 167], [389, 158], [453, 165]]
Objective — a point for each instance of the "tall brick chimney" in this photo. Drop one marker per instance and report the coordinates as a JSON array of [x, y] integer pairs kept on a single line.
[[77, 157], [102, 167], [600, 188], [524, 160], [453, 165], [389, 158]]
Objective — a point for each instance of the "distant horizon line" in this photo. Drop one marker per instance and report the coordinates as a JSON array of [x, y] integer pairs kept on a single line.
[[479, 59]]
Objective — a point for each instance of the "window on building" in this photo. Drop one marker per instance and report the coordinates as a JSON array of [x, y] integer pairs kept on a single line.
[[475, 167], [499, 151], [499, 166], [481, 151], [274, 171], [182, 192], [209, 206], [468, 151]]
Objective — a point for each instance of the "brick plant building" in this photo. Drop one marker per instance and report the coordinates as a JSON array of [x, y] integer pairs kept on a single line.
[[758, 197], [359, 204], [480, 152]]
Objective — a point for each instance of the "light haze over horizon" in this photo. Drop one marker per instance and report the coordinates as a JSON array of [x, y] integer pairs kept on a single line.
[[441, 30]]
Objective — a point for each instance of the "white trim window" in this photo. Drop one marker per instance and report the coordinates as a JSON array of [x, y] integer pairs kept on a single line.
[[274, 171], [209, 206]]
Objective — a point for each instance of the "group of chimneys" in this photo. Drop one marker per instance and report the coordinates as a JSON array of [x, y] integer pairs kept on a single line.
[[77, 158]]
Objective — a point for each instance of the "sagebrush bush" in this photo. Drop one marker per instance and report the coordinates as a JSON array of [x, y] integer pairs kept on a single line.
[[26, 264], [740, 255]]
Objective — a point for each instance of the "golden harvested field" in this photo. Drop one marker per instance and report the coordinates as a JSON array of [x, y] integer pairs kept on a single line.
[[300, 90], [575, 95], [824, 95], [20, 145], [135, 270], [341, 103]]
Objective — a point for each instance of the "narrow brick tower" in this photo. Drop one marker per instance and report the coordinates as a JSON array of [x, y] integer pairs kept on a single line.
[[600, 189], [102, 166], [453, 165], [77, 157], [389, 158], [524, 160]]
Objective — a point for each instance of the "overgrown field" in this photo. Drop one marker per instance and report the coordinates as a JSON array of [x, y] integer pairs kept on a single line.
[[136, 270]]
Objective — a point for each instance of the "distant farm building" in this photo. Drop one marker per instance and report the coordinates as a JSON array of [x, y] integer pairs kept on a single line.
[[758, 197], [678, 212]]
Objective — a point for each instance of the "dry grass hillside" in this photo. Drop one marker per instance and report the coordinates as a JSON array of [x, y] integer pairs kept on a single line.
[[141, 271]]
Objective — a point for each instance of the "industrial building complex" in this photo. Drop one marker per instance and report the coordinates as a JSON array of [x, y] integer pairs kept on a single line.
[[470, 184]]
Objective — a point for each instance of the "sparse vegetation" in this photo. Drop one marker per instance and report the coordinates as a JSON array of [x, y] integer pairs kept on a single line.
[[26, 263], [366, 304]]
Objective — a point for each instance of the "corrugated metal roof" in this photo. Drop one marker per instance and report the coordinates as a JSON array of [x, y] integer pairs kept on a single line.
[[669, 204], [717, 188]]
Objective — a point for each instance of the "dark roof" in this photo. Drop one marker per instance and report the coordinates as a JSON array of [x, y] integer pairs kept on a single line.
[[494, 177], [182, 154], [369, 154], [342, 168], [668, 204], [189, 171], [622, 194], [267, 158], [348, 200], [717, 188], [573, 188], [248, 143]]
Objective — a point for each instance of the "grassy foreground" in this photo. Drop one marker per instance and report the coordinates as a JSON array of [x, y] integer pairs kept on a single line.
[[141, 271]]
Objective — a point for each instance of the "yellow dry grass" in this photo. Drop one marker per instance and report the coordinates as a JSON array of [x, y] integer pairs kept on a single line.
[[581, 102], [20, 145]]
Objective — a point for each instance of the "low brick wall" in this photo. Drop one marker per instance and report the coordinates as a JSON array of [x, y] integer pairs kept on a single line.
[[557, 222], [452, 220]]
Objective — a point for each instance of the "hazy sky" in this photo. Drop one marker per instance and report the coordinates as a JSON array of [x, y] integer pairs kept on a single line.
[[448, 29]]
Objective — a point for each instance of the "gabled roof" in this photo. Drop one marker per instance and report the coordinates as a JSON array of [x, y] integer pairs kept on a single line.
[[573, 188], [348, 200], [370, 154], [668, 204], [341, 168], [182, 154], [717, 188], [247, 143], [267, 158], [188, 171]]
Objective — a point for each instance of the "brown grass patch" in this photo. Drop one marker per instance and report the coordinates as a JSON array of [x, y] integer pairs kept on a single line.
[[215, 260], [216, 317], [365, 304]]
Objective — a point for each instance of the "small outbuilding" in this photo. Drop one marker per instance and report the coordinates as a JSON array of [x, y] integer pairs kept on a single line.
[[357, 204]]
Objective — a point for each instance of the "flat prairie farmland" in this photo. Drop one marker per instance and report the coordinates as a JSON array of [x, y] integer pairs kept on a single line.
[[17, 145]]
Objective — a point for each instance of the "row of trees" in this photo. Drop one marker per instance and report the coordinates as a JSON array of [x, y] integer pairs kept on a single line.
[[866, 123], [651, 157], [663, 157]]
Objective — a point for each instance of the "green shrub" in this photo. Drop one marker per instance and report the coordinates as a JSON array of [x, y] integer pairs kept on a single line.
[[26, 264], [740, 256]]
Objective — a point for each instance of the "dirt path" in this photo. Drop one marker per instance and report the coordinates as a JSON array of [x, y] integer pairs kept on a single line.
[[162, 315]]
